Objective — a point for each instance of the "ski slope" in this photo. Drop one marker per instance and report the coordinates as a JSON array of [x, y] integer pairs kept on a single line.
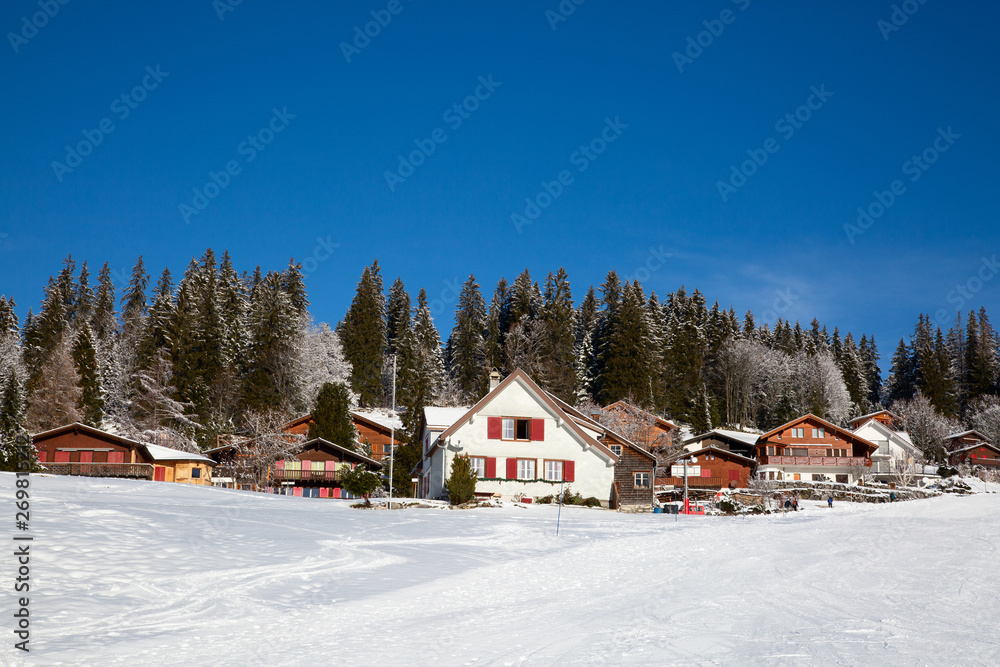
[[144, 573]]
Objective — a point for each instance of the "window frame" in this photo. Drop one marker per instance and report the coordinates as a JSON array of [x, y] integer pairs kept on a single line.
[[472, 463], [195, 473], [636, 479], [514, 421], [534, 470], [615, 449], [545, 470]]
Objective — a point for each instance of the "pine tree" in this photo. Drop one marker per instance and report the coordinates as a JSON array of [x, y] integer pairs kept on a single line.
[[91, 402], [134, 300], [498, 326], [363, 335], [585, 362], [626, 365], [11, 421], [158, 333], [397, 314], [104, 321], [273, 329], [56, 392], [84, 299], [525, 298], [294, 285], [901, 384], [467, 345], [873, 374], [331, 416], [852, 370]]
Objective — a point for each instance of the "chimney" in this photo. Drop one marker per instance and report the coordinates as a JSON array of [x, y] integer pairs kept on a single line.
[[494, 379]]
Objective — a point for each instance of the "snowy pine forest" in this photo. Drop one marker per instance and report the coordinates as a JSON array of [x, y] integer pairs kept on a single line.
[[220, 351]]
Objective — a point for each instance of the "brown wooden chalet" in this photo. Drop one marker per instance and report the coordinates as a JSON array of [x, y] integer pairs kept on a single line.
[[813, 449], [317, 470], [888, 419], [740, 442], [963, 440], [651, 433], [980, 454], [710, 468], [374, 428], [78, 449]]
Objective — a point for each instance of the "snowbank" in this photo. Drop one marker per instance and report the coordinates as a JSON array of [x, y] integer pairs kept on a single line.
[[130, 573]]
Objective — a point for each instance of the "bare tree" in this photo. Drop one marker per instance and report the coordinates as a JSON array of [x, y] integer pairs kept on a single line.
[[762, 487], [903, 468], [927, 428], [252, 457], [159, 417], [985, 417], [55, 395]]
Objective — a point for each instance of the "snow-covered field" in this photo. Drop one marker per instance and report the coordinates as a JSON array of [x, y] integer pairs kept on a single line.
[[143, 573]]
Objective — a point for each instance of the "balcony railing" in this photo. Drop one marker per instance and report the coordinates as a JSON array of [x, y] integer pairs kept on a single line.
[[816, 460], [129, 470], [695, 482], [289, 474]]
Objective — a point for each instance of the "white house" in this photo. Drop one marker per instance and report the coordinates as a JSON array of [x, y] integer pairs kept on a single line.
[[894, 449], [521, 442]]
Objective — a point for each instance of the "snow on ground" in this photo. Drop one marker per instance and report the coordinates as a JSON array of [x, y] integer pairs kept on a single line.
[[145, 573]]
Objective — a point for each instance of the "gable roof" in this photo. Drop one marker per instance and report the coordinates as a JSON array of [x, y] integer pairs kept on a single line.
[[539, 393], [589, 422], [628, 407], [971, 431], [160, 453], [714, 450], [320, 442], [871, 415], [843, 432], [380, 420], [748, 439], [442, 418], [975, 446]]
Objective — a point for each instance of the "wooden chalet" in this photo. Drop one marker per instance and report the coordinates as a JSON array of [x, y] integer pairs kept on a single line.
[[78, 449], [738, 442], [963, 440], [888, 419], [710, 468], [376, 428], [813, 449], [316, 470], [980, 454]]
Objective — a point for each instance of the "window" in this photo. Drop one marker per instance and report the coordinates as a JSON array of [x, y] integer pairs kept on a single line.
[[478, 464], [616, 449], [800, 451], [798, 433], [554, 471], [195, 473], [641, 480], [516, 429], [770, 451], [526, 468]]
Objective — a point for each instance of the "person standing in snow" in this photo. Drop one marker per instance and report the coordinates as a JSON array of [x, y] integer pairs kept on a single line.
[[829, 501], [892, 496]]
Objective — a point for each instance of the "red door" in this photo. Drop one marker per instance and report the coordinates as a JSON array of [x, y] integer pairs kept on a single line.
[[86, 456], [160, 474]]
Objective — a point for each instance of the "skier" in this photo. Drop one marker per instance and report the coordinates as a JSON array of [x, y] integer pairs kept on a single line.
[[829, 501]]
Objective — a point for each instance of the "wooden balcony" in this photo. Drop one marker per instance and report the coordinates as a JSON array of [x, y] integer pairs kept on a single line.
[[127, 470], [292, 475], [845, 461], [694, 482]]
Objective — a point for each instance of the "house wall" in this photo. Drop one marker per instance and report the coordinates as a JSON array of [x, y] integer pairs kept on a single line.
[[983, 456], [378, 438], [182, 473], [594, 470], [86, 442], [631, 462]]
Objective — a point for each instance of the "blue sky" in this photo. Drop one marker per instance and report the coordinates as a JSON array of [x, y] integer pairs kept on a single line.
[[648, 205]]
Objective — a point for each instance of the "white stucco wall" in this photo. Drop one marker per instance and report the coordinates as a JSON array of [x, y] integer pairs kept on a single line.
[[594, 470]]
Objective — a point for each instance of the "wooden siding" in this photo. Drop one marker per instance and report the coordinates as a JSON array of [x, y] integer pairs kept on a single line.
[[630, 463]]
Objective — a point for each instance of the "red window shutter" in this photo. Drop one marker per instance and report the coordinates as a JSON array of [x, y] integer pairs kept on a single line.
[[86, 457], [538, 429], [62, 457], [705, 472], [511, 468], [491, 467], [569, 471], [43, 456], [116, 457], [494, 427], [734, 475]]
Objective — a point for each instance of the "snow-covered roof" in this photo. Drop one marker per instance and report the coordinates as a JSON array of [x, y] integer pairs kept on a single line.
[[874, 414], [975, 446], [437, 417], [974, 432], [749, 438], [160, 453], [384, 419]]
